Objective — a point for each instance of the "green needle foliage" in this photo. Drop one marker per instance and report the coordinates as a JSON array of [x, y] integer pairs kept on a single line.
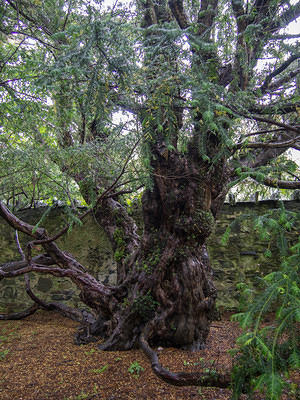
[[266, 353]]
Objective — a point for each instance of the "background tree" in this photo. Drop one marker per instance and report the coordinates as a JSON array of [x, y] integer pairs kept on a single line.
[[183, 100]]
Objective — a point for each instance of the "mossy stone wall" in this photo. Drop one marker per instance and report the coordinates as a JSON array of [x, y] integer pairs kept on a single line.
[[241, 260]]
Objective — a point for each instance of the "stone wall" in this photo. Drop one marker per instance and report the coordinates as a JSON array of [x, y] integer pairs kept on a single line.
[[241, 260]]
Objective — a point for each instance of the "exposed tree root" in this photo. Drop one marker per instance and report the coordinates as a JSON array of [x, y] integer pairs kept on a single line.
[[20, 315], [183, 378]]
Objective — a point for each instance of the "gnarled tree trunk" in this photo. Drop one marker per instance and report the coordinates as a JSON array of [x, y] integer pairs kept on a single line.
[[168, 289]]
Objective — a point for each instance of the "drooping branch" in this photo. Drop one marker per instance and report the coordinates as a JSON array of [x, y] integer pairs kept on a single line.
[[93, 293], [63, 309]]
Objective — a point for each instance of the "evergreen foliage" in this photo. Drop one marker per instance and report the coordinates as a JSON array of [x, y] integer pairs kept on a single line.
[[267, 352]]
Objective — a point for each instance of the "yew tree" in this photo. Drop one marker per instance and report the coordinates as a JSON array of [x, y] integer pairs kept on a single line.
[[175, 102]]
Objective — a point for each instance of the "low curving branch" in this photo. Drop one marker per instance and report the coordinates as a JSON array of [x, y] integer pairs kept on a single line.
[[69, 312], [20, 315], [183, 378]]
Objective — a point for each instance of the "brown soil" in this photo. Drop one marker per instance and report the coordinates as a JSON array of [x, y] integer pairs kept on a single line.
[[43, 363]]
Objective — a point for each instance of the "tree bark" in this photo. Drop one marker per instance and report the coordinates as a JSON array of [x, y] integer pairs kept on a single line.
[[169, 287]]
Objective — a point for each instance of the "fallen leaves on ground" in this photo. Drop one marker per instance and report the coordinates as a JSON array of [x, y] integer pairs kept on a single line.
[[41, 362]]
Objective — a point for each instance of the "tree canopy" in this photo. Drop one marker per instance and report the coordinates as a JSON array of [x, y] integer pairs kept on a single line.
[[75, 73]]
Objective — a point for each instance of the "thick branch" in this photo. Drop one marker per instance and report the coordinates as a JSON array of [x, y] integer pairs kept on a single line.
[[42, 259], [41, 237], [177, 9], [279, 184], [269, 145], [285, 79], [21, 226], [66, 311]]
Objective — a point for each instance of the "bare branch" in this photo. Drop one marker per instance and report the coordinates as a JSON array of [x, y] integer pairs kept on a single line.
[[286, 36], [19, 247], [285, 79], [263, 132], [50, 46], [255, 117], [4, 83], [275, 108], [11, 55], [28, 17], [67, 15], [277, 71], [268, 145]]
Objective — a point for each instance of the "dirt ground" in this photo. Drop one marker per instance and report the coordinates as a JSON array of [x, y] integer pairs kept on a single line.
[[38, 360]]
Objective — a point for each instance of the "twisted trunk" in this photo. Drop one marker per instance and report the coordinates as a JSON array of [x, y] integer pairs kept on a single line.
[[168, 288]]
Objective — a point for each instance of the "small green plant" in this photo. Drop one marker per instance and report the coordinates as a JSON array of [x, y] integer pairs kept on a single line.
[[90, 352], [3, 353], [200, 362], [3, 339], [135, 369], [145, 306], [99, 370], [82, 396], [95, 388]]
